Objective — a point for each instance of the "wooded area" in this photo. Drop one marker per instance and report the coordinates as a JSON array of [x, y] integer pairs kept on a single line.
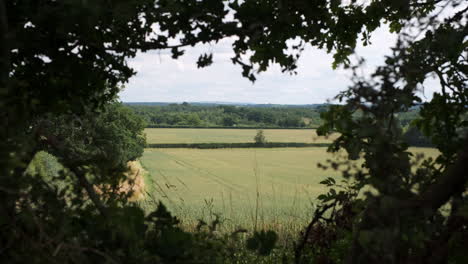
[[185, 114], [235, 116]]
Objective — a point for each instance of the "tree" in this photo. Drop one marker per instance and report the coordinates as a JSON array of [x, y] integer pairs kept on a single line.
[[105, 139], [404, 223], [95, 147], [260, 138]]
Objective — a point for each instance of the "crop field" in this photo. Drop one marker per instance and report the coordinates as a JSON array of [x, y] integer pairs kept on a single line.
[[189, 135], [254, 187]]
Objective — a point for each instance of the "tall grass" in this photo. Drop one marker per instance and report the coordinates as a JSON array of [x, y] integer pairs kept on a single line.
[[288, 222]]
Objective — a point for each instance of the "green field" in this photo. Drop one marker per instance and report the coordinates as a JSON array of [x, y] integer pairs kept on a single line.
[[249, 187], [194, 135]]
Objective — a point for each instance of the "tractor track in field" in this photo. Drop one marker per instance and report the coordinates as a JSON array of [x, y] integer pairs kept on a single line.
[[164, 176], [181, 182], [167, 196], [170, 193], [209, 175], [203, 173]]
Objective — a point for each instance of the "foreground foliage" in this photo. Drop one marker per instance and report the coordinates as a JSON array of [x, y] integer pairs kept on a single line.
[[69, 57]]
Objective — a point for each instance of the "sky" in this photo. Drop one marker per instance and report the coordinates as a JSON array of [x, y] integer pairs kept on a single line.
[[160, 78]]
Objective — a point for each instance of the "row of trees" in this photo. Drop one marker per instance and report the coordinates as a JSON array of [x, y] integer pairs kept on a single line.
[[186, 114]]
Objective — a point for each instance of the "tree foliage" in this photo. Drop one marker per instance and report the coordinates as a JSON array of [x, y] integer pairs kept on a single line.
[[111, 136], [405, 221]]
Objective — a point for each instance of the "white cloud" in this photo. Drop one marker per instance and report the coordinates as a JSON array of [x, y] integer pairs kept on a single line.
[[162, 79]]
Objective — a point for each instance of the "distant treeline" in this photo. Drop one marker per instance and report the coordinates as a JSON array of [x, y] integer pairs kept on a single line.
[[199, 115], [186, 115]]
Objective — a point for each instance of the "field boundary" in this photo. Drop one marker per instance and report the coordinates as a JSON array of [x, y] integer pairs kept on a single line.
[[238, 145], [232, 127]]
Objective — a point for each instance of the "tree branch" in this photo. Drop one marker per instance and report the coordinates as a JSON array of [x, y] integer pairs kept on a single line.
[[452, 183], [317, 216], [90, 190]]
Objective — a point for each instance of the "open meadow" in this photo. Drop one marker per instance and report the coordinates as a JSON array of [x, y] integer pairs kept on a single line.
[[254, 187], [200, 135]]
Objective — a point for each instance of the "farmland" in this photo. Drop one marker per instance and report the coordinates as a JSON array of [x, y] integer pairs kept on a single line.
[[232, 181], [177, 135], [253, 187]]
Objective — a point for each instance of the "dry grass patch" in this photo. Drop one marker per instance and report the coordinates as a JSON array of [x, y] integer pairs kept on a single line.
[[135, 183]]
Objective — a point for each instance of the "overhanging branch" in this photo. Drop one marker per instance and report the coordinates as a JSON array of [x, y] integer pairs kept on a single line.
[[453, 182]]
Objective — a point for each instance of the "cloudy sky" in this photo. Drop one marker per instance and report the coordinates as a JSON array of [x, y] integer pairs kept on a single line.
[[161, 79]]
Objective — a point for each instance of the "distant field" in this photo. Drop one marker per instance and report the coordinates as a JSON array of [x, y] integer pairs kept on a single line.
[[247, 186], [189, 135]]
